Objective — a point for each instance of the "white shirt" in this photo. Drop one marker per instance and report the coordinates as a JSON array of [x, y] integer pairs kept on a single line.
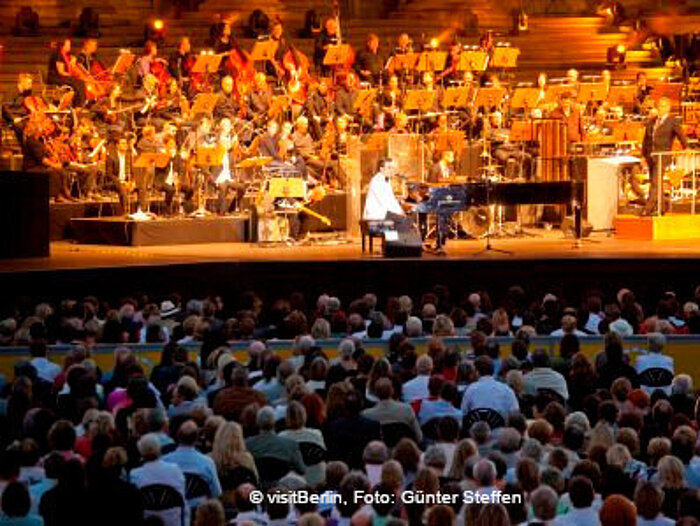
[[170, 180], [161, 472], [45, 369], [654, 360], [415, 389], [487, 393], [380, 199], [122, 166], [659, 520]]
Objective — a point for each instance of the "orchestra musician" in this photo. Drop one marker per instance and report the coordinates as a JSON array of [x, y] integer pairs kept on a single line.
[[345, 97], [225, 41], [119, 176], [659, 134], [318, 108], [502, 149], [260, 97], [15, 111], [328, 37], [40, 156], [442, 170], [223, 176], [305, 147], [169, 178], [567, 111], [227, 102], [275, 68], [179, 61], [149, 143], [59, 71], [642, 92], [147, 63], [391, 102], [368, 64], [451, 71], [88, 54]]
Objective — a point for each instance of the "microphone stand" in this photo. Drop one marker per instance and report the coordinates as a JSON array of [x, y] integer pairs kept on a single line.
[[488, 248]]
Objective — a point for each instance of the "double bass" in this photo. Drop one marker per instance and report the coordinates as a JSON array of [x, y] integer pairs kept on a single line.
[[296, 66]]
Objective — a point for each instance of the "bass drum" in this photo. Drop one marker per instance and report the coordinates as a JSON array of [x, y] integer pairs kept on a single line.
[[476, 221]]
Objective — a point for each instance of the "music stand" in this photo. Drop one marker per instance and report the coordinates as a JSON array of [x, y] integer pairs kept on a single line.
[[473, 61], [505, 57], [421, 100], [264, 50], [593, 92], [431, 61], [363, 100], [622, 95], [205, 157], [455, 98], [207, 64], [123, 63], [149, 161], [555, 91], [204, 103], [489, 97], [525, 98]]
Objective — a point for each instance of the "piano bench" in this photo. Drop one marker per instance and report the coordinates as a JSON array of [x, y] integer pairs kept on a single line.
[[371, 230]]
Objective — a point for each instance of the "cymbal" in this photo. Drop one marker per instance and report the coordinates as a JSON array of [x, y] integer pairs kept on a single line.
[[254, 161]]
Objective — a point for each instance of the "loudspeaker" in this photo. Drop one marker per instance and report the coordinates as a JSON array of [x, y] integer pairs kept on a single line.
[[407, 242], [24, 214]]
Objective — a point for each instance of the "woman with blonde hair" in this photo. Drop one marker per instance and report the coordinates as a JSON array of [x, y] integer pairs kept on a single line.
[[672, 482], [500, 323], [465, 450], [296, 430], [229, 452]]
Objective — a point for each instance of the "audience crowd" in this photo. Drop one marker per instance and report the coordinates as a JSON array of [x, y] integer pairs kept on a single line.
[[576, 438]]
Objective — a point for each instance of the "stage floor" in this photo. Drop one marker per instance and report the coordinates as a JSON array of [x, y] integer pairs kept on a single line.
[[544, 245]]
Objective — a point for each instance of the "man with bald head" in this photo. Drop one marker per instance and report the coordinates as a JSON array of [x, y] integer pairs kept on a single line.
[[194, 463], [659, 135]]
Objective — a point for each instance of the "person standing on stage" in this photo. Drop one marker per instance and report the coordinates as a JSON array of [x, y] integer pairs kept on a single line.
[[658, 138], [369, 63], [568, 112]]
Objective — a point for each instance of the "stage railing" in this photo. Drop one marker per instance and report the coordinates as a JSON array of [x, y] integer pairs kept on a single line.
[[684, 349], [680, 168]]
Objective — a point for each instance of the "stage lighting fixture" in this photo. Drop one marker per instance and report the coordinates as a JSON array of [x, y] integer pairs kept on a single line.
[[434, 43], [155, 31], [617, 54]]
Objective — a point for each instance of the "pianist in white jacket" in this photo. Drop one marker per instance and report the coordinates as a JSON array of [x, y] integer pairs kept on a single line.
[[380, 195]]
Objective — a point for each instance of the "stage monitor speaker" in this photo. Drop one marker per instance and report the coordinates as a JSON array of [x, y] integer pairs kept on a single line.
[[24, 215], [404, 241]]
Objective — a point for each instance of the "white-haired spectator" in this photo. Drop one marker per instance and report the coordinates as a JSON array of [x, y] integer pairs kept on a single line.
[[414, 327], [417, 388], [484, 474], [346, 352], [655, 359], [154, 471]]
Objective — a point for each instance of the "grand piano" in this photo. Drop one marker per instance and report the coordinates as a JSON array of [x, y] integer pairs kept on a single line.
[[457, 197]]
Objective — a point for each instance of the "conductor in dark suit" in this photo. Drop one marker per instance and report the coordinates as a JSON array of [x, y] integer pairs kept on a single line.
[[658, 137], [118, 171]]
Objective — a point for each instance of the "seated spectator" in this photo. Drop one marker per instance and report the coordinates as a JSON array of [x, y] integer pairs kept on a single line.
[[234, 398], [487, 393], [649, 498], [417, 388], [156, 471], [389, 411], [654, 359], [267, 444], [191, 461], [581, 493], [434, 406], [543, 377], [618, 510], [16, 507], [296, 430]]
